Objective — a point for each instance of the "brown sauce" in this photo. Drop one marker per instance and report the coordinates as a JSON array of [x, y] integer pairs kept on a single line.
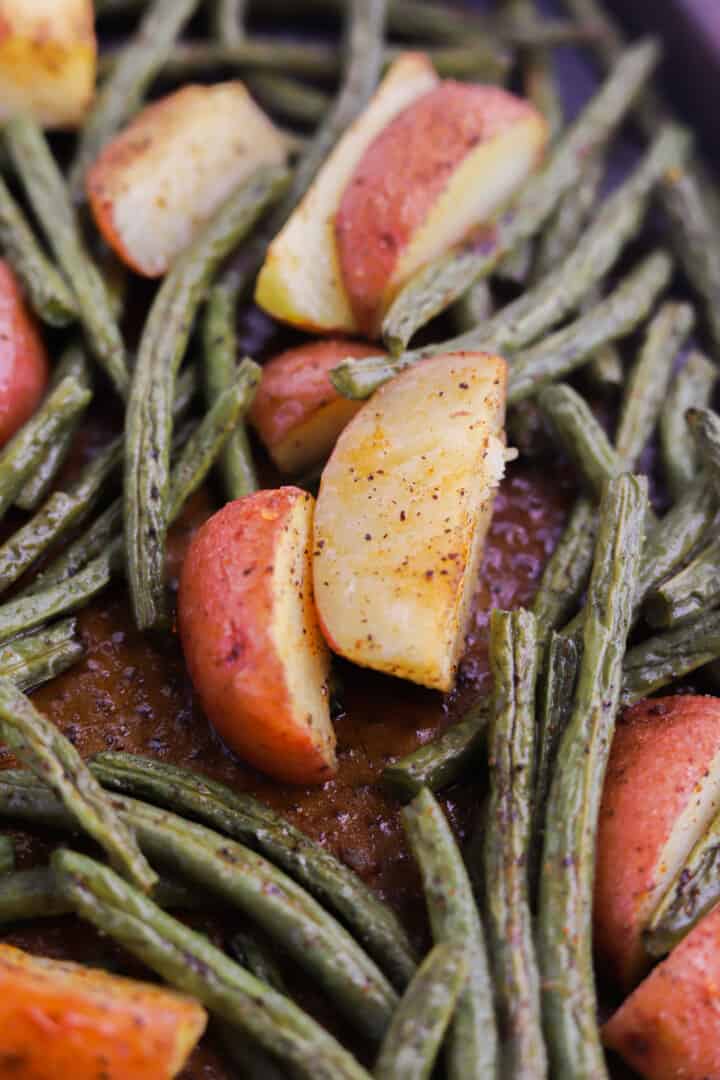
[[131, 692]]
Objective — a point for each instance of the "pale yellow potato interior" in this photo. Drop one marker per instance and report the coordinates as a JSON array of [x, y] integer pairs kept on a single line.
[[313, 439], [300, 281], [402, 514], [48, 59], [295, 631], [478, 189], [195, 149]]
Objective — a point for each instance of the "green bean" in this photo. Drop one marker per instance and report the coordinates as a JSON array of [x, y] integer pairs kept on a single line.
[[217, 427], [542, 88], [31, 661], [413, 1040], [605, 370], [48, 195], [63, 511], [220, 348], [188, 961], [39, 744], [36, 894], [121, 94], [441, 762], [162, 346], [612, 318], [444, 281], [7, 858], [514, 267], [615, 317], [649, 379], [667, 657], [72, 362], [454, 918], [288, 96], [564, 927], [567, 571], [694, 891], [47, 290], [696, 588], [557, 689], [21, 456], [229, 20], [705, 426], [581, 435], [473, 308], [692, 387], [245, 819], [508, 831], [574, 210], [257, 959]]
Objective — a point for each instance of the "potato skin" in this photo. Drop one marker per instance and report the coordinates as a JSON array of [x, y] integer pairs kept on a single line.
[[400, 177], [23, 359], [59, 1019], [669, 1027], [662, 751], [228, 609], [297, 412]]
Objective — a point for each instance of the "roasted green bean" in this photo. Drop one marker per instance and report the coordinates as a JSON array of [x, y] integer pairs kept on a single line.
[[705, 426], [581, 435], [660, 660], [454, 918], [412, 1041], [692, 387], [229, 20], [31, 661], [696, 588], [567, 570], [442, 761], [574, 210], [564, 926], [48, 194], [288, 96], [508, 834], [257, 959], [163, 344]]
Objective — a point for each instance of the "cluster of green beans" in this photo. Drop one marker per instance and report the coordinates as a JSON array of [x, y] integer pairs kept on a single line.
[[502, 998]]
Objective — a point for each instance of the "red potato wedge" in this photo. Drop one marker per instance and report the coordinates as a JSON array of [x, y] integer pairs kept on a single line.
[[405, 503], [23, 359], [159, 180], [48, 57], [445, 164], [300, 282], [297, 412], [251, 637], [661, 790], [59, 1020], [669, 1027]]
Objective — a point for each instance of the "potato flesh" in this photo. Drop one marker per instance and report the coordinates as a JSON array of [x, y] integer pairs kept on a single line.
[[48, 56], [177, 162], [300, 281], [403, 510]]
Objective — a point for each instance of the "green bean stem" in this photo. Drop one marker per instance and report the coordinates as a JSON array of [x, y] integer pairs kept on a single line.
[[694, 891], [72, 362], [567, 571], [441, 762], [39, 744], [31, 661], [445, 280], [649, 380], [663, 659], [249, 821], [508, 832], [566, 884], [48, 293], [121, 93], [48, 194], [454, 918], [692, 387], [188, 961], [162, 347], [413, 1040], [220, 349]]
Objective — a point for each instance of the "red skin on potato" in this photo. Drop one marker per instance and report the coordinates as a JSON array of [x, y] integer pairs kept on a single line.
[[669, 1027], [23, 359], [295, 388], [227, 609], [661, 753], [400, 177]]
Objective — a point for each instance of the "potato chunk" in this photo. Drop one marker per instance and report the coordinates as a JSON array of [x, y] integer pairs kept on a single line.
[[404, 506]]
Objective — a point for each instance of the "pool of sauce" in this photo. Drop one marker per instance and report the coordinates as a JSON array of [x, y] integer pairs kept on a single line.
[[132, 692]]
